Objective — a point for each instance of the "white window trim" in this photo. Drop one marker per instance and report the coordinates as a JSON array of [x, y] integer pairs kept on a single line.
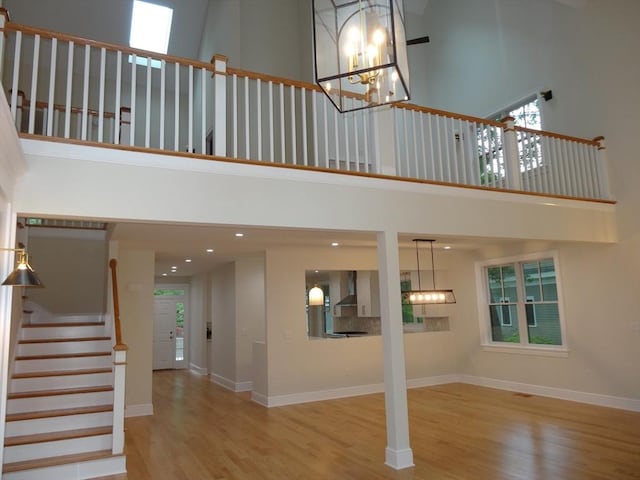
[[486, 342], [520, 102]]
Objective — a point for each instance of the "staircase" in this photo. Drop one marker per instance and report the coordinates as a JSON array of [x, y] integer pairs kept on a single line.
[[60, 406]]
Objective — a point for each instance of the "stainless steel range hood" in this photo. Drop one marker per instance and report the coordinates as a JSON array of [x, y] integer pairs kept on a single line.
[[351, 299]]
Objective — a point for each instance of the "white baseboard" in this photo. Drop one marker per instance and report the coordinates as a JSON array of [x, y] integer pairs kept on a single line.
[[610, 401], [198, 370], [623, 403], [260, 399], [398, 459], [431, 381], [230, 384], [304, 397], [138, 410]]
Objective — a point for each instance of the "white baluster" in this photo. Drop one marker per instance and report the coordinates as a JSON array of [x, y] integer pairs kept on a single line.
[[147, 119], [85, 93], [14, 88], [33, 108], [294, 153], [163, 99], [67, 106], [176, 113], [271, 132], [259, 117], [220, 113], [52, 86], [103, 60], [235, 115], [190, 119], [314, 113], [116, 111], [132, 124], [203, 109], [283, 155], [247, 126], [303, 106]]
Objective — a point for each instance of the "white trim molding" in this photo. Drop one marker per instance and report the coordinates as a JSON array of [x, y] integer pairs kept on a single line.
[[193, 368], [230, 384], [398, 459], [610, 401], [138, 410]]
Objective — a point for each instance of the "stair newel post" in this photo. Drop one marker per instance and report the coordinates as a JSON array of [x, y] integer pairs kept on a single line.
[[4, 18], [511, 154], [603, 169], [383, 128], [220, 105], [119, 368]]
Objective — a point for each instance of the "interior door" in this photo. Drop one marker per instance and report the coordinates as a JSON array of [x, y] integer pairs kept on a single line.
[[164, 339]]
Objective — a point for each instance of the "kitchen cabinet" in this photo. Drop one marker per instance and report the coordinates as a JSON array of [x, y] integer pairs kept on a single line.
[[368, 287]]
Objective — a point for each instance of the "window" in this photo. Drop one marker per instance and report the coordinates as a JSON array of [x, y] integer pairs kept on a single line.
[[526, 113], [520, 301], [150, 30]]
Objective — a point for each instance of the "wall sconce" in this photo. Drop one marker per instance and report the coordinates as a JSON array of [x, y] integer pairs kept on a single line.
[[23, 275], [547, 95], [426, 297], [360, 52], [316, 296]]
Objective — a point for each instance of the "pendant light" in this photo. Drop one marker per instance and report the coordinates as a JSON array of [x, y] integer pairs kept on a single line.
[[427, 296], [360, 51], [316, 296], [23, 275]]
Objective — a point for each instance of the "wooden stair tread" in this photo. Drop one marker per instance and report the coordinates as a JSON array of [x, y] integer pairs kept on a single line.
[[56, 340], [55, 436], [63, 324], [63, 391], [61, 373], [53, 461], [63, 355], [64, 412]]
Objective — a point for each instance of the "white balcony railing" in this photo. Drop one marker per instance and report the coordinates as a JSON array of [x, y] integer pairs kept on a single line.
[[71, 88]]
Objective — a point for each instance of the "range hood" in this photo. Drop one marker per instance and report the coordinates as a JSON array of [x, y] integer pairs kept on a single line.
[[351, 299]]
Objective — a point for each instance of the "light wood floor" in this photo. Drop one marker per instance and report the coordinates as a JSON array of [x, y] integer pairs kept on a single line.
[[202, 431]]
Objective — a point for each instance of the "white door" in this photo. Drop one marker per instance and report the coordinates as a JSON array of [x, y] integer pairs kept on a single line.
[[170, 322], [164, 333]]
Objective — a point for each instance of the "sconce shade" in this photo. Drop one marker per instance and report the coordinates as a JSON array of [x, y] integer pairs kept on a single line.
[[360, 52], [427, 297], [316, 296], [23, 275]]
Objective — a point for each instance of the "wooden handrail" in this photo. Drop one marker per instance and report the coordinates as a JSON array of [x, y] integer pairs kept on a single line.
[[116, 306], [593, 143], [17, 27], [61, 108], [444, 113]]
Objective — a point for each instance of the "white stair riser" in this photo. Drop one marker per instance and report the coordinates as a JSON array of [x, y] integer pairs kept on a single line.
[[58, 424], [90, 317], [55, 402], [60, 382], [63, 332], [53, 364], [58, 348], [76, 471], [20, 453]]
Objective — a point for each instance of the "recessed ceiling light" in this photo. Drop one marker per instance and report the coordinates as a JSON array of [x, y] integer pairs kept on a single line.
[[335, 244], [187, 260], [239, 234], [447, 247], [164, 274], [209, 250], [174, 267]]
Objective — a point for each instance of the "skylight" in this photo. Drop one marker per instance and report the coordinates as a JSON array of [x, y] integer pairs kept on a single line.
[[150, 26]]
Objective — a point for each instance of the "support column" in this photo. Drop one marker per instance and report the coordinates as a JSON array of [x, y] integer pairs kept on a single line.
[[220, 105], [398, 453], [511, 155]]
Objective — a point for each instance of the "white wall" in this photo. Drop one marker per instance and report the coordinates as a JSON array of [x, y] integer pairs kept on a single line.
[[250, 312], [268, 37], [199, 303], [326, 364], [135, 288], [600, 310], [72, 265], [222, 363]]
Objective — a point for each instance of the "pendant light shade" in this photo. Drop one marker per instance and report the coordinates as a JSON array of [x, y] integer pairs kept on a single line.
[[427, 296], [316, 296], [361, 52], [23, 275]]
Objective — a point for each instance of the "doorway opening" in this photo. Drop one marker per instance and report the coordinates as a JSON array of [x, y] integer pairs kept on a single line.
[[170, 326]]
